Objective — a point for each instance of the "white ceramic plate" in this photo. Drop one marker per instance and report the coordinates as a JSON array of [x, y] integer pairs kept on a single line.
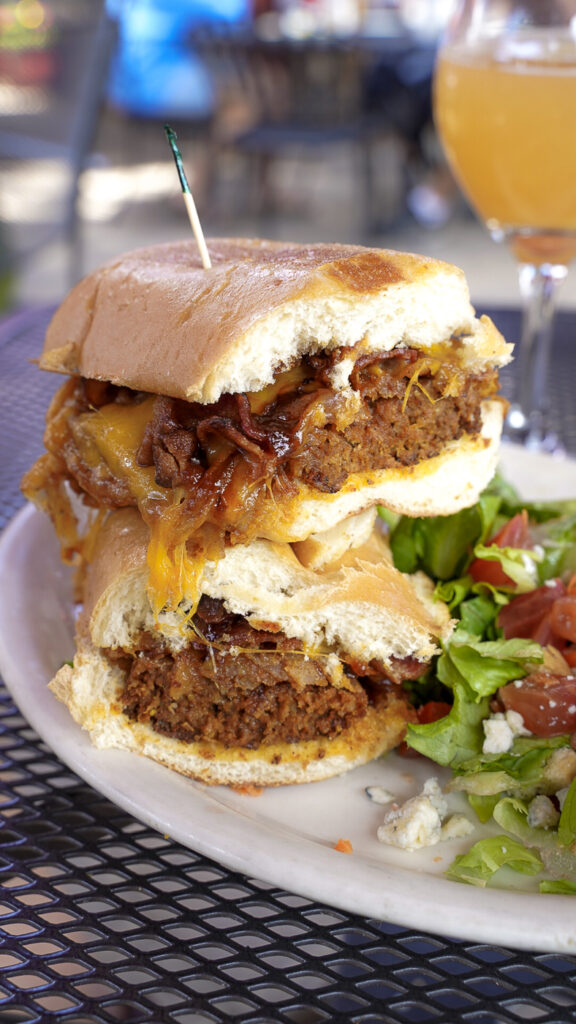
[[284, 836]]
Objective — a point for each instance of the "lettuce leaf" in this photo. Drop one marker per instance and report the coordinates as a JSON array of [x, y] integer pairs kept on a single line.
[[486, 857], [558, 859], [483, 805], [524, 763], [520, 564], [453, 592], [475, 604], [512, 815], [478, 614], [558, 541], [456, 737], [538, 511], [441, 546], [473, 669], [519, 771], [560, 885], [567, 823], [485, 665]]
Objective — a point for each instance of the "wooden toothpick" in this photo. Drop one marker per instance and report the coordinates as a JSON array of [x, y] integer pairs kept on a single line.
[[188, 198]]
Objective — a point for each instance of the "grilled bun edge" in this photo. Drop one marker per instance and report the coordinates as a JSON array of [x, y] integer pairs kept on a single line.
[[155, 320]]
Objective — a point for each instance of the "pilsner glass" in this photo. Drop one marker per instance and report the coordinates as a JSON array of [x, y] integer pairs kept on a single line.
[[505, 109]]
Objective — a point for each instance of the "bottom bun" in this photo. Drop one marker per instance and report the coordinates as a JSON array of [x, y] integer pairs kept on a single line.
[[91, 690]]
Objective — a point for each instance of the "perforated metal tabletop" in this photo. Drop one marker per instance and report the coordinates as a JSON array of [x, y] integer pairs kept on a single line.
[[103, 919]]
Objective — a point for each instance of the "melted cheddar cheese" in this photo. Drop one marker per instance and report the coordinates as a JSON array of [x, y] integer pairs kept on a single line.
[[113, 434]]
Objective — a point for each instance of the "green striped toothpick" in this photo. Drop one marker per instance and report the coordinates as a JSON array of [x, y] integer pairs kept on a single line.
[[188, 198]]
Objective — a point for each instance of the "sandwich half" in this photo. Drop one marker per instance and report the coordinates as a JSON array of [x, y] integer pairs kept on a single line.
[[270, 397], [280, 674]]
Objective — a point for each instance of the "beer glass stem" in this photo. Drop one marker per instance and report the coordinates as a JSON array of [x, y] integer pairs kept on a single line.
[[528, 417]]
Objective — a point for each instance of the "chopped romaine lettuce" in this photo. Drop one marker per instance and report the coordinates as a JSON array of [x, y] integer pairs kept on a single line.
[[522, 772], [558, 541], [520, 564], [486, 857], [561, 885], [483, 806], [512, 815], [456, 737], [478, 615], [441, 546], [539, 511], [486, 665], [567, 823], [473, 670], [557, 858]]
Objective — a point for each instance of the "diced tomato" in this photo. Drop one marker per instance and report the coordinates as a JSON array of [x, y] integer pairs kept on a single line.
[[483, 571], [563, 617], [569, 655], [544, 633], [523, 615], [546, 702], [432, 711], [405, 751], [426, 713], [514, 534]]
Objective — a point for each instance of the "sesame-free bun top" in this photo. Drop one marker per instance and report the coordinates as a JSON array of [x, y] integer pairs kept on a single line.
[[359, 604], [156, 320]]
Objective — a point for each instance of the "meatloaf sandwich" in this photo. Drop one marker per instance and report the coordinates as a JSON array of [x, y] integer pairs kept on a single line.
[[271, 396], [281, 674], [214, 461]]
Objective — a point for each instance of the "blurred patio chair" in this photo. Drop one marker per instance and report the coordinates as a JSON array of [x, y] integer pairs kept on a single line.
[[50, 100], [301, 95]]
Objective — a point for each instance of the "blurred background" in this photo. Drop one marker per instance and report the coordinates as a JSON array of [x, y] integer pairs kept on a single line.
[[303, 120]]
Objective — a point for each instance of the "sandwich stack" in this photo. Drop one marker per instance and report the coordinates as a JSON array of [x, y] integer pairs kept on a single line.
[[214, 462]]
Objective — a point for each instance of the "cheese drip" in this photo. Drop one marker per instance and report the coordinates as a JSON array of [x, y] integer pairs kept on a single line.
[[114, 434]]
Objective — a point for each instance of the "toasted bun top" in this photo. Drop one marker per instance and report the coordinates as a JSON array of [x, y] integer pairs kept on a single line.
[[366, 609], [156, 320]]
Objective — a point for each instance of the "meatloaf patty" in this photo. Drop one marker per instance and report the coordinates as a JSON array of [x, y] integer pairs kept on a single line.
[[406, 407], [240, 686]]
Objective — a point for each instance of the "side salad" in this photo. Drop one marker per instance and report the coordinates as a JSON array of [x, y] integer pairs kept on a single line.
[[498, 706]]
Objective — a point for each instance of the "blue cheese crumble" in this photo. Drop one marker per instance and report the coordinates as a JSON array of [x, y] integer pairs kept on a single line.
[[422, 820], [500, 731]]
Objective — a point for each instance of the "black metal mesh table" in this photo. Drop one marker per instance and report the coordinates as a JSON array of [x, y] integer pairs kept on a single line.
[[103, 919]]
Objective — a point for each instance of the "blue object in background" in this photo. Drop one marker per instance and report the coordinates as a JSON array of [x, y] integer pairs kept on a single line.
[[155, 72]]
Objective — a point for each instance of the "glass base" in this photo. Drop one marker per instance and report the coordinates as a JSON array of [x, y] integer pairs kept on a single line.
[[536, 246]]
